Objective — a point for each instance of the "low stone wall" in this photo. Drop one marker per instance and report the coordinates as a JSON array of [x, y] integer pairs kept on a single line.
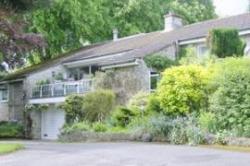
[[238, 141], [95, 137]]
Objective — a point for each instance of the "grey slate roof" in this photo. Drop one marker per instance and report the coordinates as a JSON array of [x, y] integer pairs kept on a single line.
[[143, 44]]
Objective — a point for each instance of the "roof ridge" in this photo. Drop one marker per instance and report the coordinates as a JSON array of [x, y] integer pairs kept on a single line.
[[215, 19]]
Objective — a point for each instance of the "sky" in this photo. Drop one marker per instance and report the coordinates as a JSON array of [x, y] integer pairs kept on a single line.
[[230, 7]]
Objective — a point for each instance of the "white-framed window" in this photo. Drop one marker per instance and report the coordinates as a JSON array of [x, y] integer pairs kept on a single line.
[[4, 93], [202, 50]]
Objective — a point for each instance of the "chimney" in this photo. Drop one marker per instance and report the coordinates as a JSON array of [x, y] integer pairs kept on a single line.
[[115, 34], [172, 22]]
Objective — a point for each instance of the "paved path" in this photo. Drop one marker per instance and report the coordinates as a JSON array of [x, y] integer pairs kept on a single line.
[[121, 154]]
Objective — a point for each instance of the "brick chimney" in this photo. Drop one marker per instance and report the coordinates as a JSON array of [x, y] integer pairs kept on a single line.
[[172, 22]]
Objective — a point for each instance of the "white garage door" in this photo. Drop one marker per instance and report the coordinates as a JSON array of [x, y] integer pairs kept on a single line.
[[52, 122]]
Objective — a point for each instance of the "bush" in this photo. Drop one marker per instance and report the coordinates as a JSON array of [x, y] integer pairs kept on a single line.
[[159, 62], [98, 105], [94, 106], [122, 116], [226, 42], [11, 130], [99, 127], [182, 90], [231, 99], [73, 107], [207, 122], [190, 56], [76, 127], [139, 102], [153, 104]]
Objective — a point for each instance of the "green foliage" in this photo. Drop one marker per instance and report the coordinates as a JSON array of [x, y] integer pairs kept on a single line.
[[66, 27], [226, 42], [36, 107], [99, 127], [98, 105], [73, 107], [11, 130], [139, 102], [159, 62], [189, 55], [154, 104], [207, 122], [230, 101], [182, 90], [194, 10], [76, 127], [93, 106], [122, 116]]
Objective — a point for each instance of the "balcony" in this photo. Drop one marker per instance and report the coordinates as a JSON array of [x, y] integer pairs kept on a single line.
[[61, 89]]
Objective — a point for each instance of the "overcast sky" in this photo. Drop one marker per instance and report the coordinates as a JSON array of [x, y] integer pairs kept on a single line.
[[230, 7]]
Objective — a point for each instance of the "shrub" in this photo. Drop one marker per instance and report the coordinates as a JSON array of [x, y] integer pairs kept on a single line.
[[231, 99], [207, 122], [122, 116], [99, 127], [183, 89], [94, 106], [76, 127], [226, 42], [73, 107], [189, 56], [139, 102], [11, 130], [159, 62], [153, 104], [98, 105]]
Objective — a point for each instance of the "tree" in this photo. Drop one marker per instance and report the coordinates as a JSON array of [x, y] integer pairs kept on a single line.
[[226, 42], [14, 43], [68, 25]]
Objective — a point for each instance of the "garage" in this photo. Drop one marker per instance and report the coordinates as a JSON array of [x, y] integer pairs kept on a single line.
[[52, 121]]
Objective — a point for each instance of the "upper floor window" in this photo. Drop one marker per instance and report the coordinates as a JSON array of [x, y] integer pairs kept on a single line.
[[3, 93]]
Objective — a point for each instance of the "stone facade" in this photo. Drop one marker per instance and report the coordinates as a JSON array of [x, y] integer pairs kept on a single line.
[[126, 81], [4, 111]]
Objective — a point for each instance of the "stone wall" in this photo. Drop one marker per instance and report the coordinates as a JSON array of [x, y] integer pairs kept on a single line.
[[126, 81], [4, 111], [16, 102]]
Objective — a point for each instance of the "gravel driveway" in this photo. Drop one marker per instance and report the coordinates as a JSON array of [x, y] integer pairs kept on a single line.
[[121, 154]]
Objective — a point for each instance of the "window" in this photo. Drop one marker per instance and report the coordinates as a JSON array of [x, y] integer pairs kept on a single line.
[[202, 50], [154, 79], [3, 93]]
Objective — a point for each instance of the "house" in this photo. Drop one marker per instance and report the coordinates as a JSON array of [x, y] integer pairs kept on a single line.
[[73, 73]]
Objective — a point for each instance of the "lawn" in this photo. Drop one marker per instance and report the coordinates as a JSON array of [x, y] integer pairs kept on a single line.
[[229, 148], [8, 148]]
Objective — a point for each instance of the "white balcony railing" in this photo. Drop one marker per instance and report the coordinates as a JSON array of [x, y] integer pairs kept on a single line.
[[61, 89]]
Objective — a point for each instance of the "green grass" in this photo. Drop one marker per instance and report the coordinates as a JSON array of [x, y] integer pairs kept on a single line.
[[9, 148], [228, 148]]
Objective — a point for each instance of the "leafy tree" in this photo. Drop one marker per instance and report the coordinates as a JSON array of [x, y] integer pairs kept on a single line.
[[226, 42], [70, 24], [14, 43], [194, 10]]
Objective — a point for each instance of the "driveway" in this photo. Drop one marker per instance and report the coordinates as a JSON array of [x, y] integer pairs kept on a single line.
[[121, 154]]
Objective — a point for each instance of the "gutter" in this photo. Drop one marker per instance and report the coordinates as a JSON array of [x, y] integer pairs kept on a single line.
[[203, 39], [120, 65], [12, 81]]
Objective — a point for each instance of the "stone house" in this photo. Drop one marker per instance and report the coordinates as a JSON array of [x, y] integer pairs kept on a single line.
[[72, 73]]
